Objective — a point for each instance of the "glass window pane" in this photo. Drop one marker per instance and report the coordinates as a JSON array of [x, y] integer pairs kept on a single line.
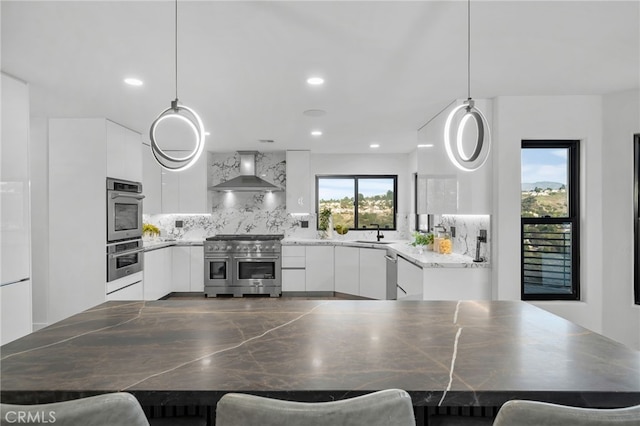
[[545, 182], [337, 194], [376, 202], [546, 258]]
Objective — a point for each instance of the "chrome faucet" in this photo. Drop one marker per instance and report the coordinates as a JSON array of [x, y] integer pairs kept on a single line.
[[379, 236]]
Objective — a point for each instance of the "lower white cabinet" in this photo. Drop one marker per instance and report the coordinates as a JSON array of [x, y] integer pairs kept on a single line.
[[15, 302], [409, 280], [319, 268], [188, 269], [373, 273], [181, 268], [196, 262], [294, 268], [158, 267], [347, 270], [457, 284]]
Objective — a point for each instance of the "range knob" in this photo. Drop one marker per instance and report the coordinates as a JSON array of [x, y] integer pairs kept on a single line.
[[228, 247], [256, 248]]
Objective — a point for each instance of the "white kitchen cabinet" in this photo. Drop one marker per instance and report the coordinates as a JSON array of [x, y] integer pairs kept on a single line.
[[188, 269], [77, 216], [151, 182], [294, 268], [132, 291], [197, 268], [185, 191], [457, 284], [373, 273], [409, 280], [124, 152], [347, 270], [298, 182], [15, 229], [319, 268], [15, 302], [181, 268], [158, 267]]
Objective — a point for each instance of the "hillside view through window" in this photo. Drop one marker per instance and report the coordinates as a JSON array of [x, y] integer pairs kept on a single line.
[[359, 202], [547, 221]]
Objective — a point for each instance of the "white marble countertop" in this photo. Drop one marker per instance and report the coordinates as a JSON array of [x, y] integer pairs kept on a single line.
[[403, 248]]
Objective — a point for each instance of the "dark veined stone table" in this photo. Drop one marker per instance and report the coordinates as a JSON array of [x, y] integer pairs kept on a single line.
[[449, 354]]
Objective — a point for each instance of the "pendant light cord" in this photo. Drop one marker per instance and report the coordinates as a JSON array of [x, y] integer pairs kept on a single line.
[[176, 46], [468, 49]]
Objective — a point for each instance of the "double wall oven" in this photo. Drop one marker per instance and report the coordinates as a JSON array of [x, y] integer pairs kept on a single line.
[[243, 264], [124, 228]]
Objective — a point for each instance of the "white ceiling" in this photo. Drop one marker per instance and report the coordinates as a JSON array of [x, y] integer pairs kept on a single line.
[[389, 66]]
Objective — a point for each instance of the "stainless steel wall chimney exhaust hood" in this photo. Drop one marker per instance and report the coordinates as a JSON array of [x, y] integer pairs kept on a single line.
[[247, 181]]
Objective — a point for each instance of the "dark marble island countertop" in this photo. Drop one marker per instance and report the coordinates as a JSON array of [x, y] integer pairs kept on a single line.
[[443, 353]]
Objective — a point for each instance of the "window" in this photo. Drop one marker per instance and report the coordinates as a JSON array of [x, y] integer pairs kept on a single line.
[[636, 218], [550, 220], [359, 201]]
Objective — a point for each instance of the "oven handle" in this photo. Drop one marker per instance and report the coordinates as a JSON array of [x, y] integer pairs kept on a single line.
[[126, 253], [256, 258], [126, 195]]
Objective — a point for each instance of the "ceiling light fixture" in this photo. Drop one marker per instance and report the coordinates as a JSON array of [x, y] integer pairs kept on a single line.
[[131, 81], [316, 133], [315, 81], [374, 145], [425, 145], [480, 153], [183, 113]]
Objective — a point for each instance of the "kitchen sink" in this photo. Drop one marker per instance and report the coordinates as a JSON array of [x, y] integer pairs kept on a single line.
[[373, 242]]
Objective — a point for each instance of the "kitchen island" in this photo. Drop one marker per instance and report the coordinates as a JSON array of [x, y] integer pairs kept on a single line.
[[446, 353]]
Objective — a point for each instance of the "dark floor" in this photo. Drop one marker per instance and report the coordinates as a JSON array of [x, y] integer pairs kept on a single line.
[[200, 296]]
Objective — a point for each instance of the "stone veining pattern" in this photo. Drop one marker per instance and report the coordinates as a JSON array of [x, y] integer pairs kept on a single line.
[[170, 352]]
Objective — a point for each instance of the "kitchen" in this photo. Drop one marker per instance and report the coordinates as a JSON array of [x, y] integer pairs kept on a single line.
[[361, 103]]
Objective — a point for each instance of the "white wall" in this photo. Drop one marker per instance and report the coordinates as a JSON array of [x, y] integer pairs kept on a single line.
[[393, 164], [621, 119], [541, 117]]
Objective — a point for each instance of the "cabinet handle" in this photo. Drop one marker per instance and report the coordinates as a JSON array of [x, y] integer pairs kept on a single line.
[[398, 285], [126, 195], [391, 259]]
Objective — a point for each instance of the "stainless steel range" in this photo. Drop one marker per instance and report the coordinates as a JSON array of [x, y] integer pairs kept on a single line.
[[243, 264]]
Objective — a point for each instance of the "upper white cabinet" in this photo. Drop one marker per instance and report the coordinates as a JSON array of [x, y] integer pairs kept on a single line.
[[124, 153], [151, 182], [15, 229], [184, 191], [298, 182]]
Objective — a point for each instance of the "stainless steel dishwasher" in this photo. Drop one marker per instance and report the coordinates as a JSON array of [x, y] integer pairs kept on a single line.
[[392, 275]]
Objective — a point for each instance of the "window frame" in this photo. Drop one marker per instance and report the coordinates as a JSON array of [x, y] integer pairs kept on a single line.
[[355, 177], [636, 218], [573, 201]]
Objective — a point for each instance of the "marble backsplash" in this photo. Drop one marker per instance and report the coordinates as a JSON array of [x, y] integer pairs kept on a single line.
[[265, 212]]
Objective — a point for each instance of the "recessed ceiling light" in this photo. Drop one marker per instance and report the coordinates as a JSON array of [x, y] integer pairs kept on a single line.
[[374, 145], [425, 145], [315, 81], [316, 133], [133, 81], [207, 133], [314, 112]]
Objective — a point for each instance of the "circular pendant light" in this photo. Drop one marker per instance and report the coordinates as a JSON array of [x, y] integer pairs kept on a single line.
[[184, 115], [482, 147]]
